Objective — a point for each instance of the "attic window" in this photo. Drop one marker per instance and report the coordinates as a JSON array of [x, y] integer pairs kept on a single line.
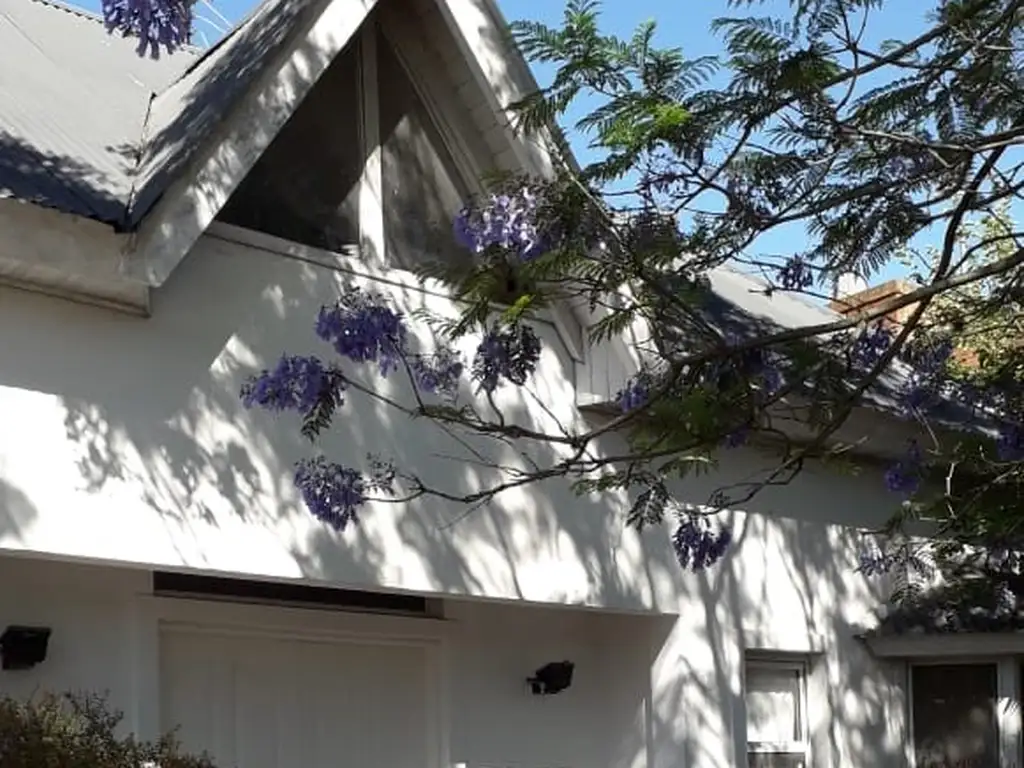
[[305, 186], [423, 189]]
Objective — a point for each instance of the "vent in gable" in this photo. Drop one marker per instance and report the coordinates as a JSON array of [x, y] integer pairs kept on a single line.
[[202, 587]]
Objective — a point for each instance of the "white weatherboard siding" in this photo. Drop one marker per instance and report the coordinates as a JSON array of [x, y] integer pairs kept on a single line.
[[125, 441]]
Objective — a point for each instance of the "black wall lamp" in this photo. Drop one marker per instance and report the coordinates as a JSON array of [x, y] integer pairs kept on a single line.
[[552, 678], [23, 647]]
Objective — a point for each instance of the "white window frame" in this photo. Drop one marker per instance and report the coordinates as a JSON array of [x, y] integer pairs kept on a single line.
[[800, 668], [1009, 671]]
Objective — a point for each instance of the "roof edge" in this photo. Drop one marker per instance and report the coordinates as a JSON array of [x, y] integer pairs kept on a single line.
[[167, 232]]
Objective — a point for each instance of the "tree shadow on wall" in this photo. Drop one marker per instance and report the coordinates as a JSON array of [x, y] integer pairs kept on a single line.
[[17, 512]]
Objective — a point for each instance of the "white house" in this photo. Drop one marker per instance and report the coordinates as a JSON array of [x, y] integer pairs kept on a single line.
[[166, 228]]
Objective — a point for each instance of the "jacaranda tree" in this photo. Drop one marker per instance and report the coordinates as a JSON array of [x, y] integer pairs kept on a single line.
[[860, 149]]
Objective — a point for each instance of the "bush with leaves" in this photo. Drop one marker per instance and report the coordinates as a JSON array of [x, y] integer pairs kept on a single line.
[[79, 731]]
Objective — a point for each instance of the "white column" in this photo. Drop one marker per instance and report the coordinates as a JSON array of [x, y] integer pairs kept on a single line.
[[371, 209], [145, 649]]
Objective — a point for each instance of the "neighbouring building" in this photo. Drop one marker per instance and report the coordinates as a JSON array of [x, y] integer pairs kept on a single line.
[[167, 227]]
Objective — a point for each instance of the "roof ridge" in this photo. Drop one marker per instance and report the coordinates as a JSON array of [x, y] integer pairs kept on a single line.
[[74, 9], [796, 296]]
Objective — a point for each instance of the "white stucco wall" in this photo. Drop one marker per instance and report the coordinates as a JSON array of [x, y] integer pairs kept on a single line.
[[124, 441], [648, 690]]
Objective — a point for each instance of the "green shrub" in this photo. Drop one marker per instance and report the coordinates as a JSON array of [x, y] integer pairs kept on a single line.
[[78, 731]]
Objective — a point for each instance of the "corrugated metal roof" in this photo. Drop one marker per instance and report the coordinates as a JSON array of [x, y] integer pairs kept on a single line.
[[73, 101], [89, 127], [739, 304]]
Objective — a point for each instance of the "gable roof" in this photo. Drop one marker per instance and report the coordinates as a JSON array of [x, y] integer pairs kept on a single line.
[[90, 128], [740, 304]]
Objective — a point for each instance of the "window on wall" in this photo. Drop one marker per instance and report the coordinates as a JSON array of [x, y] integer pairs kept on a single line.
[[304, 188], [953, 708], [422, 188], [776, 704]]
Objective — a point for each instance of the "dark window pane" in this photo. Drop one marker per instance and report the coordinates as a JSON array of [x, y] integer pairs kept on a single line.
[[422, 188], [305, 186], [775, 760], [955, 715]]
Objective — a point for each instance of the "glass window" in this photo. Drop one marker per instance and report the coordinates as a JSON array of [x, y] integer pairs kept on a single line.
[[776, 722], [304, 188], [423, 190], [954, 715]]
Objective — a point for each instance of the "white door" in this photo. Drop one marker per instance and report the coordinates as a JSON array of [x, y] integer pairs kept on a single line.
[[259, 702]]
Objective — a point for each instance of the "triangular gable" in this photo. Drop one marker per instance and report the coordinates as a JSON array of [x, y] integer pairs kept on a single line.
[[190, 205], [182, 115], [306, 186]]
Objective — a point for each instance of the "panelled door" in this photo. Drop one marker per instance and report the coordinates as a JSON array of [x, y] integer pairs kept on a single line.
[[269, 702]]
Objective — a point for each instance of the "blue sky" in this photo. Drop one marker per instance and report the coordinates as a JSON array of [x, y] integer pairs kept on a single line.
[[686, 24], [681, 23]]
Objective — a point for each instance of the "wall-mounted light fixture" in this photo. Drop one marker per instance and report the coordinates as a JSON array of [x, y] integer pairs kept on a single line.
[[23, 647], [552, 678]]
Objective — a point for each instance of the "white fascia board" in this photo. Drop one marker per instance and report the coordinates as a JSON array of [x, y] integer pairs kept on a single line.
[[190, 205]]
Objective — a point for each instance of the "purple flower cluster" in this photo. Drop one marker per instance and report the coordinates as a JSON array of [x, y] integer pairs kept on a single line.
[[764, 370], [697, 544], [875, 561], [795, 275], [295, 384], [1010, 444], [635, 394], [904, 477], [361, 327], [438, 374], [870, 345], [504, 221], [924, 384], [156, 23], [509, 353], [737, 437], [333, 493]]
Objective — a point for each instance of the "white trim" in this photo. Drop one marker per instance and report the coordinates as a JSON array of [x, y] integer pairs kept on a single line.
[[438, 106], [69, 257], [479, 33], [192, 202], [372, 241], [412, 59], [1008, 715], [146, 669], [799, 666], [953, 645], [351, 262], [909, 748]]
